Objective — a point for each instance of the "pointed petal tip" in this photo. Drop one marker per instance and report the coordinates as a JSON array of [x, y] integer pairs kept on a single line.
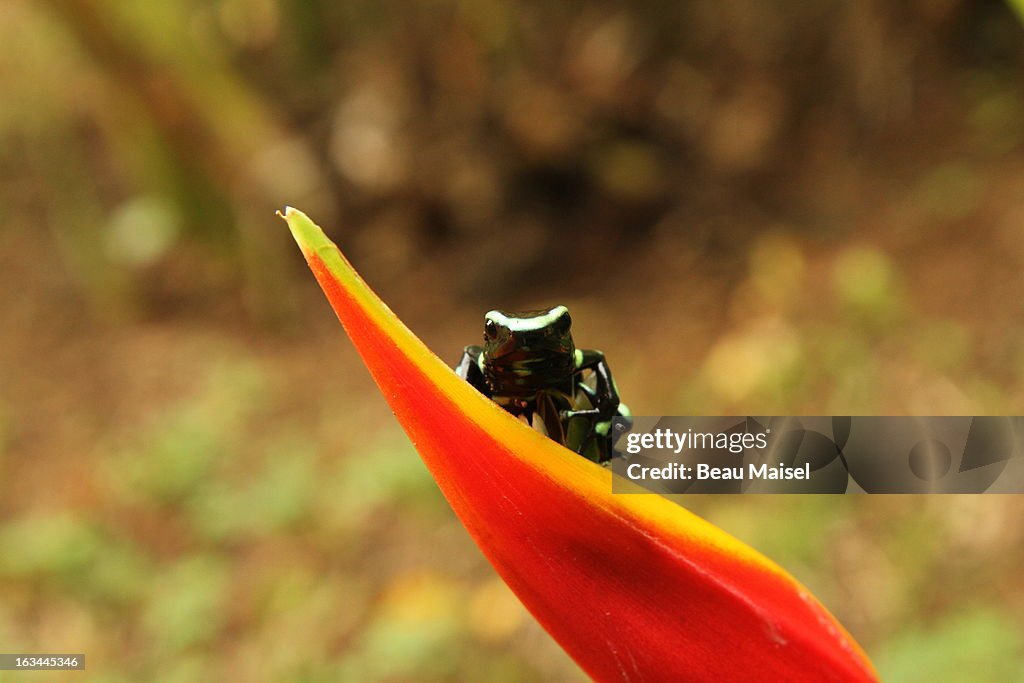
[[309, 236]]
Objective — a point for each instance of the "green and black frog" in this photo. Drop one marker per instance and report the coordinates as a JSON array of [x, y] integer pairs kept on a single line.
[[530, 366]]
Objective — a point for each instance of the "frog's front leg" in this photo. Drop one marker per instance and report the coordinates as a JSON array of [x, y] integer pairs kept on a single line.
[[605, 405], [604, 397], [468, 369]]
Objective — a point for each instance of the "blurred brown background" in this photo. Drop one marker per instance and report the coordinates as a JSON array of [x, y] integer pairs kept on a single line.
[[199, 481]]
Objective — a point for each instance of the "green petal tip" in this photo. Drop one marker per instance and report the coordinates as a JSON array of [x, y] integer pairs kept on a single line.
[[307, 234]]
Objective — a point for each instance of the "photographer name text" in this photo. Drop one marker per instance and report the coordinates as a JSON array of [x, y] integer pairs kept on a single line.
[[705, 472]]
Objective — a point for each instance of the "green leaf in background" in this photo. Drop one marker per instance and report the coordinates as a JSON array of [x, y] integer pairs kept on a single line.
[[270, 499], [981, 646], [58, 544], [186, 603]]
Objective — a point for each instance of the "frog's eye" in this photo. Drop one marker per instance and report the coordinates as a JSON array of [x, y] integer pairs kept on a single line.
[[490, 329]]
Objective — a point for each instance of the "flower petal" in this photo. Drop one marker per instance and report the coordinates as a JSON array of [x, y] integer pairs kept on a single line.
[[634, 587]]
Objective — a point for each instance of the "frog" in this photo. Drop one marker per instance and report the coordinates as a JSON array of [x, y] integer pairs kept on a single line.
[[530, 366]]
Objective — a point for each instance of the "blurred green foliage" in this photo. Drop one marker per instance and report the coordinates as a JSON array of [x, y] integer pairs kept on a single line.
[[978, 645], [805, 208]]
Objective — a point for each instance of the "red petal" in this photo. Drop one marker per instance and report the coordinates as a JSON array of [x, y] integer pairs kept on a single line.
[[634, 587]]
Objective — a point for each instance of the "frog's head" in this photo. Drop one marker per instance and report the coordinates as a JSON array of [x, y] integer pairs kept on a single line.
[[533, 337]]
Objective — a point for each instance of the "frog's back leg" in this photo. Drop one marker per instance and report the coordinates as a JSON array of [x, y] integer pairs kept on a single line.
[[548, 412]]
